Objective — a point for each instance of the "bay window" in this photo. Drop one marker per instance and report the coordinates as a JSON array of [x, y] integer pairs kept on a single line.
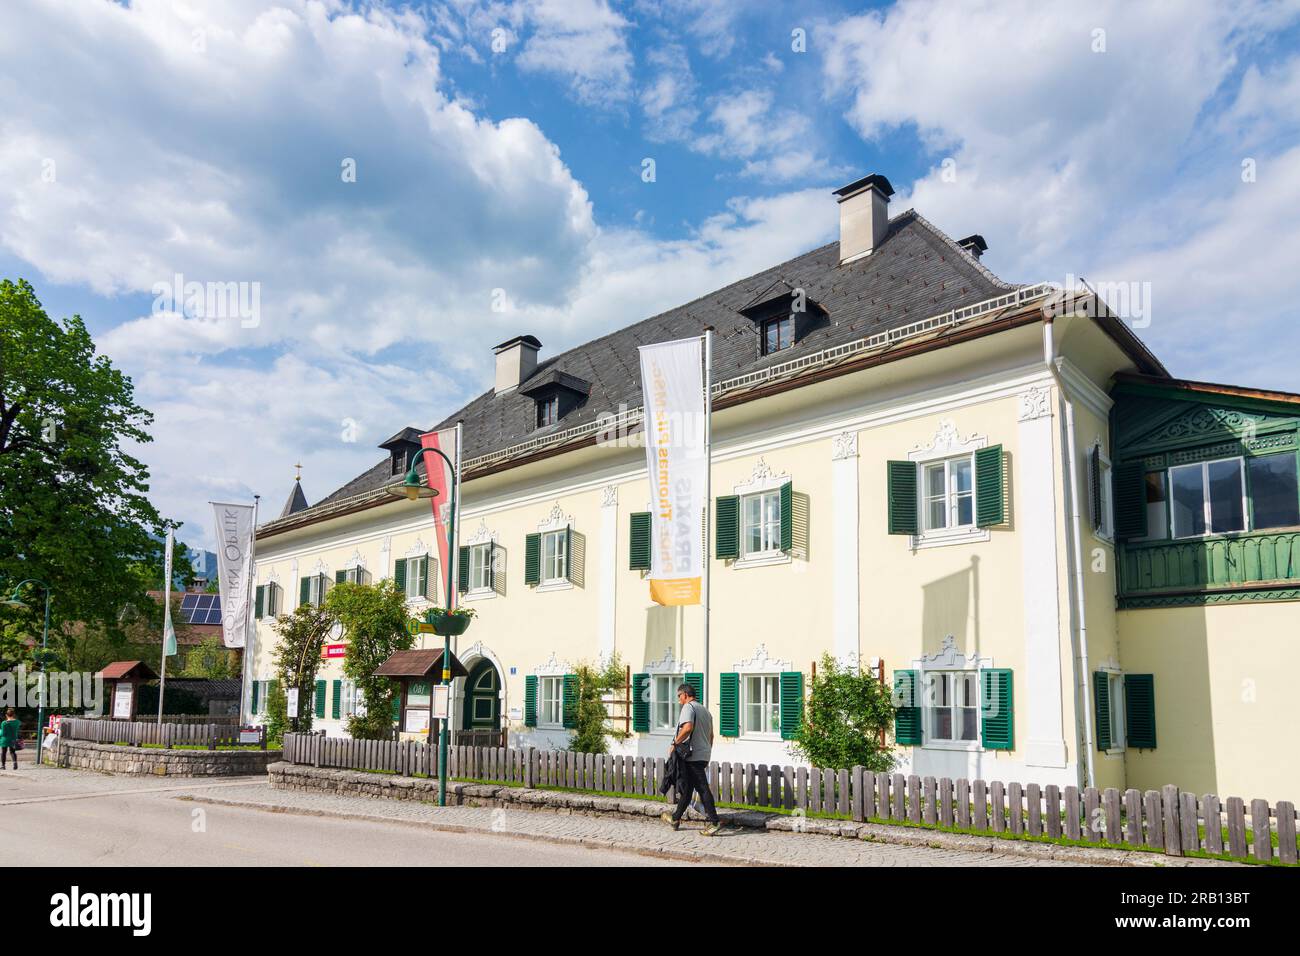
[[1208, 497], [1273, 493]]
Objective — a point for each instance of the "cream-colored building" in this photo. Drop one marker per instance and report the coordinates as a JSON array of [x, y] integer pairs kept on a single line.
[[912, 471]]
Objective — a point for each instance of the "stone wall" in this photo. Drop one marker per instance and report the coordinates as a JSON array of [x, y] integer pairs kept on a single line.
[[154, 761]]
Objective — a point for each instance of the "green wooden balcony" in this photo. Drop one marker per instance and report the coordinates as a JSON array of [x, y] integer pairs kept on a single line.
[[1260, 565]]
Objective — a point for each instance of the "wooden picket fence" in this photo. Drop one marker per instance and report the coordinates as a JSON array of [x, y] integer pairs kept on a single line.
[[139, 733], [1167, 820]]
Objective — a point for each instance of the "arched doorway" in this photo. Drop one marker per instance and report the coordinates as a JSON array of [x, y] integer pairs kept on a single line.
[[482, 709]]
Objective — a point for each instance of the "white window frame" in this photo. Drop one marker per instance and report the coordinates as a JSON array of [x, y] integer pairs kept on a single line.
[[1165, 510], [420, 593], [763, 482], [263, 697], [766, 533], [355, 575], [555, 701], [674, 709], [773, 704], [560, 563], [951, 496], [347, 698], [947, 444], [930, 682], [1205, 497], [952, 661], [479, 566]]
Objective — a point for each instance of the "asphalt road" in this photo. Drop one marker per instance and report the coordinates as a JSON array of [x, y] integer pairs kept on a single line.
[[59, 818]]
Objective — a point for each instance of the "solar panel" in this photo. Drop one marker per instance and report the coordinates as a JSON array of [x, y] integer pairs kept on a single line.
[[188, 601]]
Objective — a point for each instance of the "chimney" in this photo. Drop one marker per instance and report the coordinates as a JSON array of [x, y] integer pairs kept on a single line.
[[975, 245], [516, 360], [864, 216]]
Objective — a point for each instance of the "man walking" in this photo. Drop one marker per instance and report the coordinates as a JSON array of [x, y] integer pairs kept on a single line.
[[693, 744]]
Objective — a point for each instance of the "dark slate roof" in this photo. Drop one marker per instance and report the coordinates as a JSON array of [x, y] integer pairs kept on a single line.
[[917, 272], [297, 501]]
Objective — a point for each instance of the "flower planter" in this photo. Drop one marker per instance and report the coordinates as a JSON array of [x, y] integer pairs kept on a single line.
[[448, 625]]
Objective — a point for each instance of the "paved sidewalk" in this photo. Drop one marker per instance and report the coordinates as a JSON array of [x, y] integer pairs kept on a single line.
[[651, 838]]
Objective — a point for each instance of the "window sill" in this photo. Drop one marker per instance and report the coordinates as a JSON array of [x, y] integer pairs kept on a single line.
[[766, 559], [1114, 752], [560, 585], [968, 746], [944, 537], [760, 737], [549, 727], [486, 594]]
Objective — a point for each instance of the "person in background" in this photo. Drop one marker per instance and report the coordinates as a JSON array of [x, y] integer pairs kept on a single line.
[[695, 729], [9, 738]]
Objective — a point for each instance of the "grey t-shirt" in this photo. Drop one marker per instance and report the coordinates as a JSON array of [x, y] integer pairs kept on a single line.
[[697, 714]]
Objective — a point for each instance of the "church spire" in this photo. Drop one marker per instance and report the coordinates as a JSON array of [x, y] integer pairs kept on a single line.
[[297, 500]]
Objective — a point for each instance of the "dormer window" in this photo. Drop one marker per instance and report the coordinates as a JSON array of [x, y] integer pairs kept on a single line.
[[402, 449], [548, 411], [778, 334], [555, 394], [783, 314]]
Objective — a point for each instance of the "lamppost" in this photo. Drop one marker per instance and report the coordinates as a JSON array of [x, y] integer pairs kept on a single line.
[[412, 489], [13, 601]]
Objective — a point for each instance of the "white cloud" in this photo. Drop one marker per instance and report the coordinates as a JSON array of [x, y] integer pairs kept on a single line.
[[1071, 160], [585, 41]]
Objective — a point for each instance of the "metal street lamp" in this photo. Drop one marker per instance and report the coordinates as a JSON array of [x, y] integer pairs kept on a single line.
[[412, 489], [14, 601]]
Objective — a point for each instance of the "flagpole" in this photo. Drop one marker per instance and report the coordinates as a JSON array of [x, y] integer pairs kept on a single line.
[[167, 607], [708, 492], [251, 624]]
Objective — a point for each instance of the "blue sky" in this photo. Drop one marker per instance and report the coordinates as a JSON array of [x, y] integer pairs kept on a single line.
[[499, 152]]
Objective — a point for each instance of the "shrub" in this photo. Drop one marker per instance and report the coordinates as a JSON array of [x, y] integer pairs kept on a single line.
[[847, 717]]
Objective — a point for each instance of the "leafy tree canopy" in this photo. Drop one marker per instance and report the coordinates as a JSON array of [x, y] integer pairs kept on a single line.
[[374, 618], [297, 656], [73, 511], [846, 721]]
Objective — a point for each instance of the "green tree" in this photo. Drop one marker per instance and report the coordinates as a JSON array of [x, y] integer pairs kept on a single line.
[[297, 656], [277, 715], [73, 510], [210, 659], [591, 728], [375, 621], [847, 717]]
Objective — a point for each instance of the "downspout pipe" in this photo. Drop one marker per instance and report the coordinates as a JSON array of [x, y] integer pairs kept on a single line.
[[1079, 605]]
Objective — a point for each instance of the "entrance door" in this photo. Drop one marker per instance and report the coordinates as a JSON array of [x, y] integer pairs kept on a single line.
[[483, 698]]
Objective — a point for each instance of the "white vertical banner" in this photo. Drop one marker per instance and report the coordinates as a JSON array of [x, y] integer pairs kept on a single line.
[[234, 568], [169, 632], [672, 386]]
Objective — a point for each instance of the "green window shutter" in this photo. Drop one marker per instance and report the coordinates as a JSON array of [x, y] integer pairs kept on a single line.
[[336, 703], [304, 590], [492, 565], [462, 569], [641, 703], [399, 574], [726, 532], [261, 600], [990, 487], [639, 536], [997, 719], [1129, 483], [697, 682], [568, 553], [1101, 698], [791, 703], [1140, 710], [530, 701], [533, 559], [902, 497], [787, 517], [1094, 485], [729, 704], [907, 716], [570, 701], [319, 698], [340, 577], [257, 684]]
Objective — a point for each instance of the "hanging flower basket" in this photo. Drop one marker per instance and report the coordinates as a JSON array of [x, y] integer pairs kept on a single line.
[[450, 623]]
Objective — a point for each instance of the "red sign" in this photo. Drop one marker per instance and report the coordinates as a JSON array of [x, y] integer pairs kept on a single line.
[[333, 650]]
